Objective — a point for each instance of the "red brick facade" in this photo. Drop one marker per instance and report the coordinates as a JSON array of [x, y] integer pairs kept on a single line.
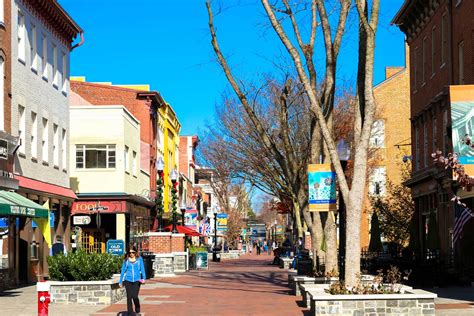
[[5, 54], [434, 31]]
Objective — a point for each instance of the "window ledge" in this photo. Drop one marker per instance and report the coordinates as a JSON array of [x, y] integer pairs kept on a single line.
[[45, 163], [33, 69], [55, 86], [442, 65], [56, 167], [22, 155], [21, 61], [127, 172], [64, 93], [432, 75], [34, 159], [65, 170], [45, 78]]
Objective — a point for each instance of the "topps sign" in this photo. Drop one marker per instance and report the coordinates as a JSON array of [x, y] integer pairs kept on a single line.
[[3, 149]]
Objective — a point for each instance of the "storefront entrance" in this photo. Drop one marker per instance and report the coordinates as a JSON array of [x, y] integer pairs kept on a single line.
[[93, 240]]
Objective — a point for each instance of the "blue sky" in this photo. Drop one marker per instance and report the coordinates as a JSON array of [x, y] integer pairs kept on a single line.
[[165, 43]]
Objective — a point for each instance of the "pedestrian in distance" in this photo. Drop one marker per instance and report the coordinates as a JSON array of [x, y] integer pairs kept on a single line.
[[132, 276]]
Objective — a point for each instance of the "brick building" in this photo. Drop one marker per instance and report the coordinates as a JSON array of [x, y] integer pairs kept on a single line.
[[440, 36]]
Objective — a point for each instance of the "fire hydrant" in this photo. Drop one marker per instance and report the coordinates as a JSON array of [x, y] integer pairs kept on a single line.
[[44, 299]]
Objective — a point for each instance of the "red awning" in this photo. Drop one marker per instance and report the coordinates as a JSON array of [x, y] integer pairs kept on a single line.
[[36, 185], [183, 230]]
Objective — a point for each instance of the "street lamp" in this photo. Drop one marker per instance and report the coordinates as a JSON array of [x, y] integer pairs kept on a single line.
[[344, 153], [174, 197], [183, 211], [160, 165], [214, 253]]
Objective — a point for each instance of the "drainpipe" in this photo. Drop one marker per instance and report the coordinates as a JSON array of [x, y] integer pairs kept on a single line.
[[80, 43]]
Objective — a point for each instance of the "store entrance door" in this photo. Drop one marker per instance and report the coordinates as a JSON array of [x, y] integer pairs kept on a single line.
[[93, 240]]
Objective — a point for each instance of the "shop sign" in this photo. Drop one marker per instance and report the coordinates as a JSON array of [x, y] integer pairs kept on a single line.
[[87, 207], [22, 210], [322, 188], [81, 220], [115, 247]]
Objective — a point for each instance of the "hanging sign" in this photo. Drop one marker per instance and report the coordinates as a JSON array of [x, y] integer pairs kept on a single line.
[[462, 117], [115, 247], [222, 222], [322, 188], [190, 219], [81, 220]]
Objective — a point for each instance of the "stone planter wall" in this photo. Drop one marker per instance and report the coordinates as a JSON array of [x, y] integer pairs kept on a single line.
[[411, 302], [179, 261], [167, 264], [86, 292]]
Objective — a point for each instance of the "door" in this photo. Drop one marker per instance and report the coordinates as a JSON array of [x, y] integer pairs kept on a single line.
[[93, 240]]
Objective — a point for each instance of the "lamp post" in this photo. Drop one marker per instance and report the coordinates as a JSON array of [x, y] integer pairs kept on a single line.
[[160, 165], [174, 197], [214, 253], [344, 153], [183, 212]]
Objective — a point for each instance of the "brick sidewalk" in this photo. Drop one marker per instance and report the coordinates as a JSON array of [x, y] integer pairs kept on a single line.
[[247, 286]]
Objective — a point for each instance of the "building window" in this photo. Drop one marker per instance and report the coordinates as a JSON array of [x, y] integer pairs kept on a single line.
[[378, 180], [425, 144], [417, 148], [423, 62], [64, 149], [126, 160], [415, 69], [33, 48], [55, 66], [433, 50], [444, 38], [56, 145], [22, 129], [95, 156], [45, 140], [434, 131], [2, 87], [21, 37], [461, 62], [44, 60], [34, 135], [64, 76], [134, 163], [377, 139]]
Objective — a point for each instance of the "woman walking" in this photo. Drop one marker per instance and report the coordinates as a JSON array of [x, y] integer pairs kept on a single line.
[[132, 276]]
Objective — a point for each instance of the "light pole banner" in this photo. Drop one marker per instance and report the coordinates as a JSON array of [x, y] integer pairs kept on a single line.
[[190, 219], [462, 120], [222, 222], [322, 188]]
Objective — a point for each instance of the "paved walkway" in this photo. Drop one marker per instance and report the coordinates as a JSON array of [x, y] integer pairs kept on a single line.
[[248, 286]]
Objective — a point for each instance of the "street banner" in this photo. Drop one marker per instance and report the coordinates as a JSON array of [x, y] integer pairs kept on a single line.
[[190, 219], [462, 121], [322, 188], [222, 222], [280, 230]]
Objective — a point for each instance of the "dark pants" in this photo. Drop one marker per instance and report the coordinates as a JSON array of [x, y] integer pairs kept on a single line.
[[132, 289]]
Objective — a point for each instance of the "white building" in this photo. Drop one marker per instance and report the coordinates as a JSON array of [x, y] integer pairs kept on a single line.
[[41, 35]]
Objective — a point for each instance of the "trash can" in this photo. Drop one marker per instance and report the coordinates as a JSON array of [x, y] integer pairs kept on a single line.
[[148, 258]]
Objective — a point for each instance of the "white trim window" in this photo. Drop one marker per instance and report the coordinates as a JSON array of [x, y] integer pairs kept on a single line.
[[22, 129], [2, 87], [56, 145], [21, 37], [34, 135], [126, 160], [134, 163], [55, 73], [45, 140], [33, 48], [378, 180], [44, 57], [64, 76], [95, 156], [64, 149], [377, 139]]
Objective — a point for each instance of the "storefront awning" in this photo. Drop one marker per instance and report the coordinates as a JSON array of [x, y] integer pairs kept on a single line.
[[12, 203], [48, 188]]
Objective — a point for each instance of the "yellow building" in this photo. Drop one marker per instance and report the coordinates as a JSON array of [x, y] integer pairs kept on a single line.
[[168, 148]]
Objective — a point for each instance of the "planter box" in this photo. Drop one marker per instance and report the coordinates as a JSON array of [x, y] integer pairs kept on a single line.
[[305, 288], [409, 302], [86, 292], [296, 280], [285, 263]]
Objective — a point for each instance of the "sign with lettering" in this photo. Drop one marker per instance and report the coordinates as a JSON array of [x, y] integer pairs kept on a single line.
[[222, 222], [81, 220], [89, 207], [115, 247], [190, 219], [322, 188]]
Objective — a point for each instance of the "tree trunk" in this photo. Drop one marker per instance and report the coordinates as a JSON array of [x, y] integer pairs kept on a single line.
[[330, 234], [297, 218]]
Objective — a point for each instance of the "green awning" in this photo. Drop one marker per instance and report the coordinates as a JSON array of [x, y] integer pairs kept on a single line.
[[14, 204]]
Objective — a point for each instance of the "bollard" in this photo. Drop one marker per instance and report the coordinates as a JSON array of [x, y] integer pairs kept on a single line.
[[44, 299]]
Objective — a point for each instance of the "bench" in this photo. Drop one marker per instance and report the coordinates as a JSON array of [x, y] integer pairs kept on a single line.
[[285, 263]]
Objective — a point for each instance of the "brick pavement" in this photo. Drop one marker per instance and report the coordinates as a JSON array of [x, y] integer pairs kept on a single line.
[[247, 286]]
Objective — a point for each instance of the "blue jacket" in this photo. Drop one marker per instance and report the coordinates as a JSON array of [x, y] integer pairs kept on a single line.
[[132, 272]]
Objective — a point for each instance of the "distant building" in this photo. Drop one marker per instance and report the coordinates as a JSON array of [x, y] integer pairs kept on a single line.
[[439, 34], [187, 169]]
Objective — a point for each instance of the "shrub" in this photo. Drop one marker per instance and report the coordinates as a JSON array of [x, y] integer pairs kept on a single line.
[[81, 266], [194, 249]]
